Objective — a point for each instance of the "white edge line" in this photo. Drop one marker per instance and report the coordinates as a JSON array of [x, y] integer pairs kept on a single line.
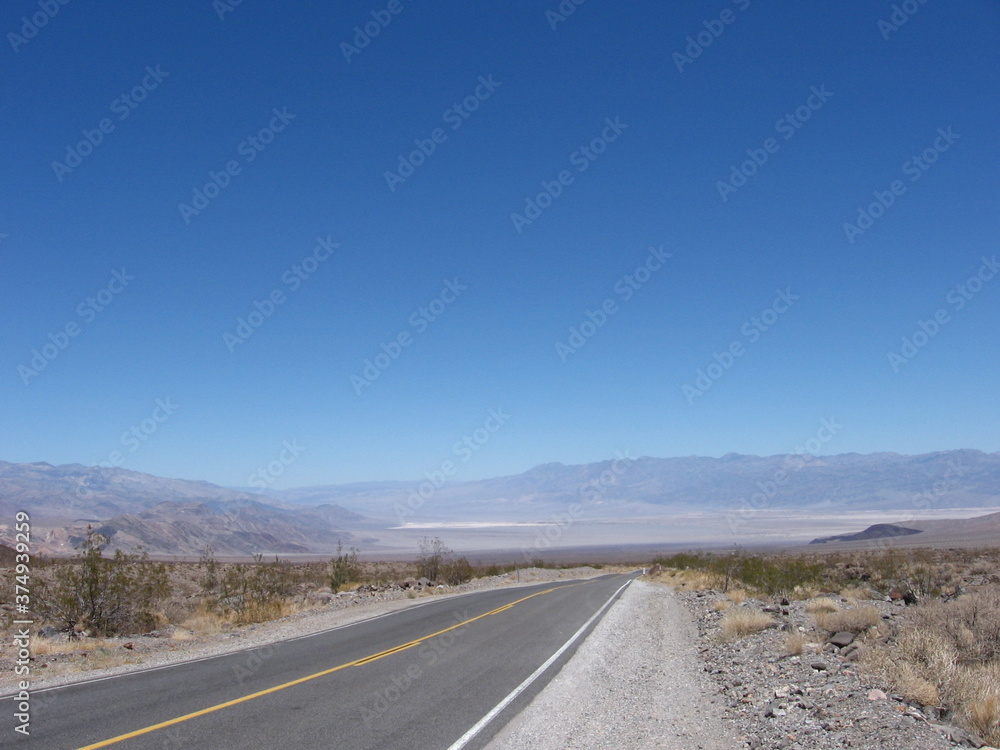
[[481, 724], [245, 649]]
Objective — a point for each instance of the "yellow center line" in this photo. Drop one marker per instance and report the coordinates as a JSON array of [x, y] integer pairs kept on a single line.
[[307, 678]]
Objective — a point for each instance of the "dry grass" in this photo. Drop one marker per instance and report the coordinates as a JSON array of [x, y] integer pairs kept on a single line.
[[795, 644], [47, 646], [104, 659], [948, 655], [856, 620], [739, 622], [858, 594], [85, 654], [984, 717], [721, 605], [692, 580], [822, 605], [737, 596], [206, 622]]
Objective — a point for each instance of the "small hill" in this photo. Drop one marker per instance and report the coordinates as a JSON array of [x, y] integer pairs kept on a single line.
[[877, 531]]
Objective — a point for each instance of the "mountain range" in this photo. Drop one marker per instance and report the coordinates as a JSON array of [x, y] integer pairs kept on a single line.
[[182, 517]]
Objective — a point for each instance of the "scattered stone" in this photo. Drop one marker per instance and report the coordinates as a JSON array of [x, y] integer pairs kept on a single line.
[[841, 639], [877, 695], [959, 736], [823, 709]]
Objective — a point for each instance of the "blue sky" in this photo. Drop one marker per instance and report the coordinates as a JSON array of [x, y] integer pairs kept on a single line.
[[633, 127]]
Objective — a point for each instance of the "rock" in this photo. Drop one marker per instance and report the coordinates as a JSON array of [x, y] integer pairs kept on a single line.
[[958, 736], [771, 711], [877, 695], [128, 645], [841, 639], [47, 631], [819, 666], [782, 692]]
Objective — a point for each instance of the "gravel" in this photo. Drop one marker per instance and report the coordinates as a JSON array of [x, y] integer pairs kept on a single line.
[[818, 700], [635, 682]]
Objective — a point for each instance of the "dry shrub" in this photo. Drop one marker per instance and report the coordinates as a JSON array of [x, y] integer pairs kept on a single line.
[[43, 646], [856, 620], [206, 622], [971, 624], [104, 659], [822, 605], [795, 644], [693, 580], [948, 655], [739, 622], [982, 567], [984, 717], [175, 611], [737, 596], [858, 594], [721, 605], [974, 692]]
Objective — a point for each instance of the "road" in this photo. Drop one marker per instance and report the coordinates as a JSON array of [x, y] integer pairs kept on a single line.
[[443, 674]]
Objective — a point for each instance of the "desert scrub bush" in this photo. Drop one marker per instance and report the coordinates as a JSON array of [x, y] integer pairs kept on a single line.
[[737, 596], [780, 575], [206, 621], [857, 593], [457, 571], [855, 620], [739, 622], [794, 645], [255, 592], [983, 715], [344, 568], [947, 654], [433, 555], [822, 605], [103, 595], [771, 575]]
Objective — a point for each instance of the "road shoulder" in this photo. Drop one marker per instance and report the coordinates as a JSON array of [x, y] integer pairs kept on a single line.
[[634, 683]]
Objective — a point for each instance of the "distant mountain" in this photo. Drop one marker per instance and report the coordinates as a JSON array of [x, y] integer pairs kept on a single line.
[[230, 528], [175, 516], [878, 531], [163, 516], [75, 491], [658, 486]]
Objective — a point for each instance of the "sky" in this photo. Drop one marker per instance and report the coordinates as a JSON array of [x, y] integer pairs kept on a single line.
[[291, 244]]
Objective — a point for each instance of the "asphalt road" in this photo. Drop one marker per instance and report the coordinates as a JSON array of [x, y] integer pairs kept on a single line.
[[435, 675]]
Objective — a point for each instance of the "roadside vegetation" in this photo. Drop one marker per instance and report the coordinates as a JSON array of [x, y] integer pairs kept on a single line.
[[96, 595], [938, 647]]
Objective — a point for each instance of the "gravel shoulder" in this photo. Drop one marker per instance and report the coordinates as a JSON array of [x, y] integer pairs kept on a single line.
[[818, 700], [634, 683], [175, 645]]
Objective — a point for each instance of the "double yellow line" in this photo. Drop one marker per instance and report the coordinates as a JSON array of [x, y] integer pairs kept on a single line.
[[300, 680]]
